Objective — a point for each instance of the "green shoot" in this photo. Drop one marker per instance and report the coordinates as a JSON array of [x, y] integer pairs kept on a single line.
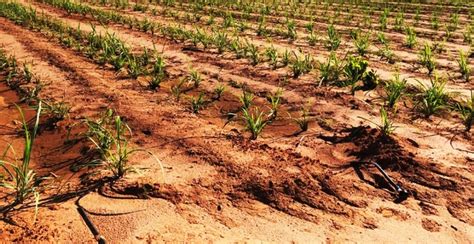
[[410, 40], [176, 90], [354, 71], [426, 58], [254, 122], [275, 100], [466, 110], [334, 39], [218, 91], [158, 73], [331, 70], [246, 99], [303, 120], [386, 125], [254, 55], [464, 65], [301, 66], [362, 43], [272, 56], [197, 103], [432, 98], [117, 157], [394, 90], [23, 178], [195, 78]]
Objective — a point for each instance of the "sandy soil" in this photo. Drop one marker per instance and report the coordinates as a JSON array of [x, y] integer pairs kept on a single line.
[[219, 186]]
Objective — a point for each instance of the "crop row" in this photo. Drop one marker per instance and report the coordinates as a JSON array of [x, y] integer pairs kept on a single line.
[[276, 7], [287, 27], [108, 135], [222, 41], [352, 69]]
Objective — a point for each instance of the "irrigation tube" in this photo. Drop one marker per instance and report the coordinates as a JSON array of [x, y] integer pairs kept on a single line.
[[100, 239], [402, 193]]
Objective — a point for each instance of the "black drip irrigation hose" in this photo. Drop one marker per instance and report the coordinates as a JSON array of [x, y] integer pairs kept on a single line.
[[402, 193], [99, 238]]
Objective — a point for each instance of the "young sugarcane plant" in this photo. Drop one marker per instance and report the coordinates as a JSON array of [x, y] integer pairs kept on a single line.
[[417, 16], [385, 126], [275, 100], [118, 61], [370, 81], [330, 70], [354, 70], [221, 41], [145, 57], [242, 26], [448, 33], [253, 53], [23, 179], [254, 122], [97, 130], [197, 103], [27, 74], [432, 98], [454, 22], [464, 65], [410, 40], [291, 30], [134, 68], [218, 91], [310, 25], [426, 58], [394, 90], [387, 54], [117, 157], [354, 33], [228, 21], [334, 39], [211, 20], [439, 46], [195, 78], [467, 35], [382, 38], [55, 111], [384, 19], [312, 38], [272, 56], [158, 73], [177, 89], [262, 29], [466, 110], [435, 21], [237, 47], [285, 58], [362, 43], [303, 120], [246, 99], [301, 66], [399, 21]]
